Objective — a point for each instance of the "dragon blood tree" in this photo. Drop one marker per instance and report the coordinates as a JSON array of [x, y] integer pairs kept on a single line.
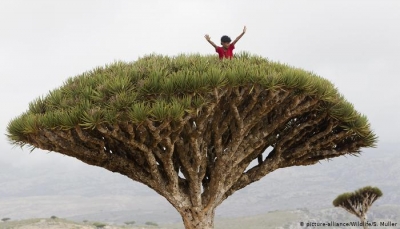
[[189, 126], [358, 202]]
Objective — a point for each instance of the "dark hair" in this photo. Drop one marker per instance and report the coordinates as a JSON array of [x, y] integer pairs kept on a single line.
[[225, 39]]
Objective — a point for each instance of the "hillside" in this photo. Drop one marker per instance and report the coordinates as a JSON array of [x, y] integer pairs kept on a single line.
[[64, 224], [75, 191], [270, 220]]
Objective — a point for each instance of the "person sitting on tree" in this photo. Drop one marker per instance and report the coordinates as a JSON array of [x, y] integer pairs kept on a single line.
[[227, 47]]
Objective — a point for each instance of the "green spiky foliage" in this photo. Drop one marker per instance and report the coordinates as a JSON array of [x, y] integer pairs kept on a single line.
[[358, 202], [189, 126]]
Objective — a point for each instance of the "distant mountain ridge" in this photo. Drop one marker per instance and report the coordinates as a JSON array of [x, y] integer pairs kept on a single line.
[[70, 189]]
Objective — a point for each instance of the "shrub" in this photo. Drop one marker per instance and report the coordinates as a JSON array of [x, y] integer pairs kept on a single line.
[[130, 222], [151, 223], [99, 225]]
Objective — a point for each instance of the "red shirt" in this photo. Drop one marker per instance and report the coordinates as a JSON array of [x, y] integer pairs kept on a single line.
[[225, 53]]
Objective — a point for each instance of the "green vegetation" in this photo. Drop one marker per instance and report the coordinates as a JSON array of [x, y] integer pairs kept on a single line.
[[359, 201], [151, 223], [130, 222], [99, 225], [53, 217], [207, 119], [160, 87], [5, 219]]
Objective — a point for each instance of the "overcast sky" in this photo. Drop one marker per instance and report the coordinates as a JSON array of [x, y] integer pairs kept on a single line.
[[354, 44]]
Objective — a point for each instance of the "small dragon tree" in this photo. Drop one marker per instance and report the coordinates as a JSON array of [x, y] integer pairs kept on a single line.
[[189, 126], [358, 202]]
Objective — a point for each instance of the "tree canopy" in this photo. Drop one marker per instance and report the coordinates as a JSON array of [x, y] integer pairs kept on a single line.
[[355, 201], [358, 202], [163, 88], [189, 126]]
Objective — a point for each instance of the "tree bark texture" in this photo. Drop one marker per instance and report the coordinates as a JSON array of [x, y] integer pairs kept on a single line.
[[198, 161], [197, 219]]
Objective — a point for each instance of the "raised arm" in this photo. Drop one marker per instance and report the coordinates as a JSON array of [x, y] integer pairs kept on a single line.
[[240, 36], [208, 38]]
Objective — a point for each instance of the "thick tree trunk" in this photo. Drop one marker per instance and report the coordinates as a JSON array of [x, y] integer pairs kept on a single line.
[[364, 221], [197, 219]]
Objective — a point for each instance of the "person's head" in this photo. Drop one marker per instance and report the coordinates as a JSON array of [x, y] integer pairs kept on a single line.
[[225, 41]]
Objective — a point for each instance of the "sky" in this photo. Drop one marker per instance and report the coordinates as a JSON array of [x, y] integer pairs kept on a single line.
[[354, 44]]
